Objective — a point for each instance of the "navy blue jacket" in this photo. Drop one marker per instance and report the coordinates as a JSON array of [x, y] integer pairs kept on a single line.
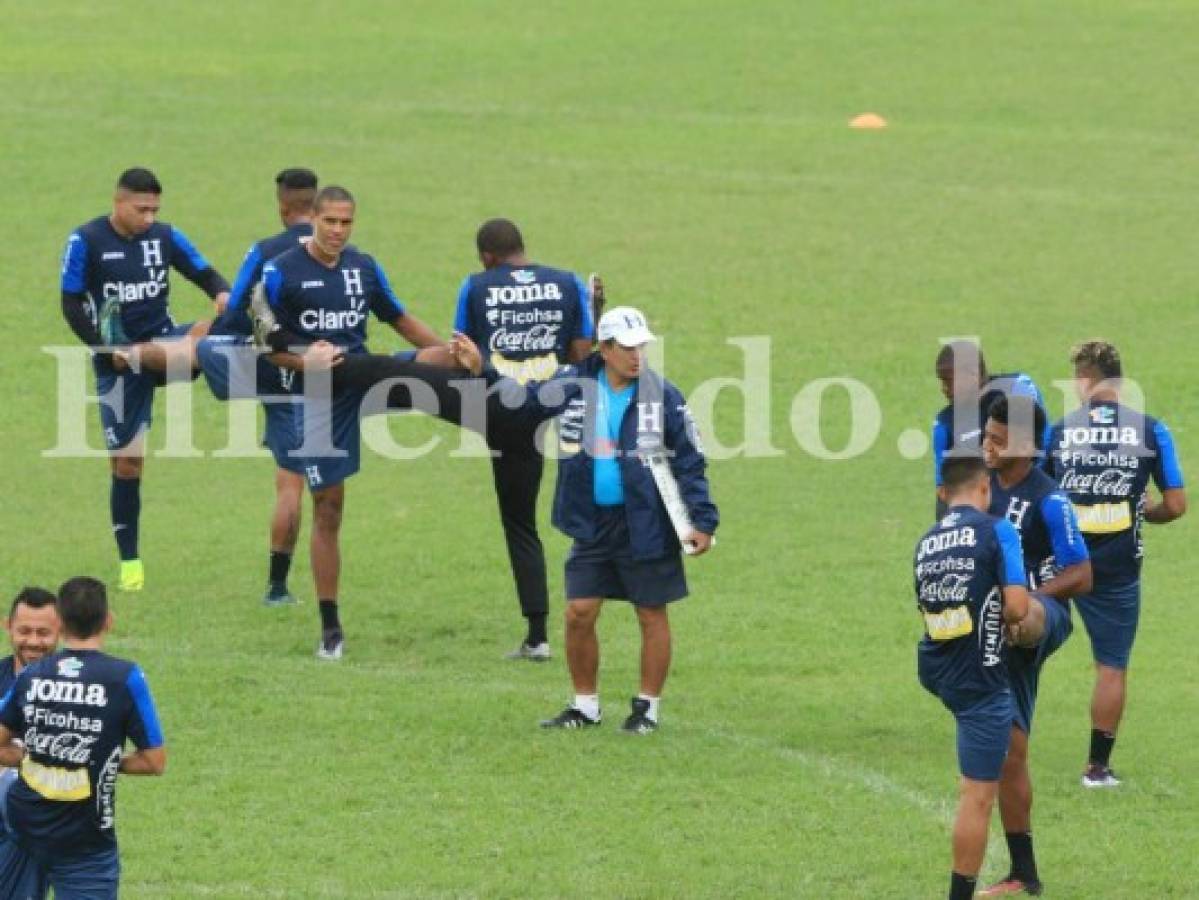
[[657, 421]]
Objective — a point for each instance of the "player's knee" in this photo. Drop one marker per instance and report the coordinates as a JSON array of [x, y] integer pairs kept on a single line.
[[581, 616], [127, 467], [326, 511]]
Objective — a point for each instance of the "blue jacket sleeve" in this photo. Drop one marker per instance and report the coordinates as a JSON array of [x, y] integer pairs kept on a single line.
[[144, 729], [1069, 547], [1167, 474], [584, 328], [462, 317], [940, 448], [1011, 557], [688, 463]]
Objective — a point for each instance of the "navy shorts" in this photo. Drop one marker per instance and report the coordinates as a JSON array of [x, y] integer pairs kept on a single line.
[[605, 568], [1110, 614], [127, 398], [234, 370], [329, 445], [984, 728], [1024, 663], [90, 876]]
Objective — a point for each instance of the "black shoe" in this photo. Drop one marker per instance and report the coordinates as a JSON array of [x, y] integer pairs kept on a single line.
[[570, 718], [331, 645], [1013, 885], [277, 594], [638, 721]]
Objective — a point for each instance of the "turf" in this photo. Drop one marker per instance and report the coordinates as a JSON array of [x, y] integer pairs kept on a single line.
[[1035, 187]]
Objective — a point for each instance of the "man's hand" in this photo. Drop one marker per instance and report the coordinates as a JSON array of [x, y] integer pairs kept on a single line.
[[466, 353], [699, 542], [222, 301], [322, 355], [120, 360]]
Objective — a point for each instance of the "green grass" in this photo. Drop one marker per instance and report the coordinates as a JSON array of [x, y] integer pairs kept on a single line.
[[1035, 187]]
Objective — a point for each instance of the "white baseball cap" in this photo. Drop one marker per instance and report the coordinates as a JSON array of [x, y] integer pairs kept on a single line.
[[626, 326]]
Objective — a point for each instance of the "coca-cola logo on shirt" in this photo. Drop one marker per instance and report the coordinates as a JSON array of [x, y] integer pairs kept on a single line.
[[949, 589], [1108, 483], [539, 338]]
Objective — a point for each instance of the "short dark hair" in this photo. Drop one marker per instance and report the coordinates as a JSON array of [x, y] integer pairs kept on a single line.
[[949, 354], [332, 194], [296, 179], [139, 181], [1101, 356], [34, 598], [1022, 409], [82, 606], [959, 471], [499, 236]]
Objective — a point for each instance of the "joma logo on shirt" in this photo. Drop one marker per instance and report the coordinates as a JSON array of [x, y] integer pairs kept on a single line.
[[47, 690], [522, 293], [1089, 437], [947, 540]]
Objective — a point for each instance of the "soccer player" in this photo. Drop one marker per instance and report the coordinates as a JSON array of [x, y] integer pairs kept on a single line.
[[612, 412], [1104, 455], [319, 295], [970, 390], [1058, 567], [115, 297], [74, 709], [528, 320], [295, 190], [969, 577]]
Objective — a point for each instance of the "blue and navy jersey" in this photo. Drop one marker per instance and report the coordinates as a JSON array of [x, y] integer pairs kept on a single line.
[[329, 303], [74, 710], [964, 433], [962, 565], [1103, 455], [236, 319], [8, 674], [133, 272], [1041, 512], [523, 318]]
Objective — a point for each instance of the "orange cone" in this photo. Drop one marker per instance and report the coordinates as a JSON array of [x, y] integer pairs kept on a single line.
[[868, 120]]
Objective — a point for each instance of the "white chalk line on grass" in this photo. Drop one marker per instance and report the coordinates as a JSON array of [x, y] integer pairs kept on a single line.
[[838, 769]]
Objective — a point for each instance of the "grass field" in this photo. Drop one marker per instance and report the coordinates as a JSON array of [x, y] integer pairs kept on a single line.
[[1036, 187]]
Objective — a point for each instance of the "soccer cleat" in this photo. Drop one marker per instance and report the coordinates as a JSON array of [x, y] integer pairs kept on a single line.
[[331, 645], [1012, 885], [570, 718], [639, 721], [108, 321], [532, 652], [277, 595], [133, 575], [1097, 776]]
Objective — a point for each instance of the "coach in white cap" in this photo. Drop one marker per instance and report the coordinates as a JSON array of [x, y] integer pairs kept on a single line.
[[616, 420]]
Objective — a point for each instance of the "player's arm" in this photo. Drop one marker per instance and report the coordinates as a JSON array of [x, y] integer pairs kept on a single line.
[[235, 318], [582, 342], [1074, 576], [415, 332], [12, 721], [940, 442], [1010, 573], [77, 309], [387, 308], [689, 466], [1167, 475], [196, 269], [11, 752], [149, 756]]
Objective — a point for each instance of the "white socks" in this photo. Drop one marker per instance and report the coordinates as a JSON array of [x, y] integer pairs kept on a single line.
[[652, 713], [588, 705]]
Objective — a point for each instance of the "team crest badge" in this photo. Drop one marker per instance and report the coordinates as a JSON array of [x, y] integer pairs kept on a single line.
[[69, 667]]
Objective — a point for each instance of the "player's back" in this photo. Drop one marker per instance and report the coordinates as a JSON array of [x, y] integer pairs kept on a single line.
[[523, 318], [74, 709], [236, 318], [1103, 455], [958, 592]]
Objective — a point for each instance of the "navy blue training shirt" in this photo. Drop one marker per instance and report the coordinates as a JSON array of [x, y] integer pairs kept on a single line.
[[962, 565], [523, 318], [329, 303], [74, 710], [1103, 455], [133, 272], [965, 433], [236, 319], [1042, 514]]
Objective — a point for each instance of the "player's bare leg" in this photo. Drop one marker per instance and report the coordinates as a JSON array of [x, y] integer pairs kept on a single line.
[[975, 800], [285, 532], [655, 665], [126, 466], [1107, 709], [582, 658], [327, 506], [1015, 785]]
